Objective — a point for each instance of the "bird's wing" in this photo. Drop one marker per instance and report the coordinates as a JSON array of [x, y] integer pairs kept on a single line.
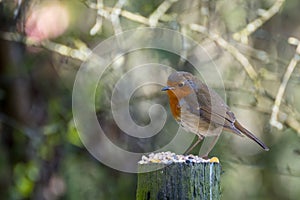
[[211, 108]]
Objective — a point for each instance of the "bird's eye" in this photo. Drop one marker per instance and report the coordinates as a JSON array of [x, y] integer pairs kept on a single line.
[[181, 84]]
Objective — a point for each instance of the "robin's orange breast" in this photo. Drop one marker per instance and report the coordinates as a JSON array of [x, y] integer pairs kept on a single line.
[[174, 105], [189, 121]]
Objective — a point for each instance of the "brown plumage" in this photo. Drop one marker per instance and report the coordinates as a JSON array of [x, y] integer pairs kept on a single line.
[[201, 110]]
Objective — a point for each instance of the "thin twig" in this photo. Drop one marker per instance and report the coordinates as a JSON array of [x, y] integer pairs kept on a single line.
[[231, 49], [289, 70], [81, 54], [106, 12], [134, 17], [255, 24], [205, 12], [286, 117], [160, 11], [115, 16], [98, 25]]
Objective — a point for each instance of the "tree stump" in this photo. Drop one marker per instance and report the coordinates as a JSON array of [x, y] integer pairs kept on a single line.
[[187, 179]]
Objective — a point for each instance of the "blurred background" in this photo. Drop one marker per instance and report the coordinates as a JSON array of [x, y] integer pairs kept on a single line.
[[254, 44]]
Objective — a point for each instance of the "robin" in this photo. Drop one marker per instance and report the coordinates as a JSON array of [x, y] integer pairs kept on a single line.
[[200, 110]]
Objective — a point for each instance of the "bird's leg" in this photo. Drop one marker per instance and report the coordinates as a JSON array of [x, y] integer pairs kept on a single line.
[[200, 138], [208, 145]]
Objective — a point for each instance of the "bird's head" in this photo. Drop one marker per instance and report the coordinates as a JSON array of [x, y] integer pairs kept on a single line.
[[180, 84]]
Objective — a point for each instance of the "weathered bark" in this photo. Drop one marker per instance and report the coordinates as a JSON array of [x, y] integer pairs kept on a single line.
[[179, 181]]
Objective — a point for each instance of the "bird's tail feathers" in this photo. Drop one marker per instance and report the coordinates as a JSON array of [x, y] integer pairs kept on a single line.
[[250, 135]]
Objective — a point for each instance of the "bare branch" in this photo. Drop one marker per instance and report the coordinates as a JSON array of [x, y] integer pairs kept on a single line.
[[286, 117], [98, 25], [106, 12], [160, 11], [81, 54], [289, 70], [205, 11], [251, 27], [231, 49], [134, 17], [115, 20]]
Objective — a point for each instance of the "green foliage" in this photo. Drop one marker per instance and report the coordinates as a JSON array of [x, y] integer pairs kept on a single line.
[[87, 179], [72, 135], [25, 175]]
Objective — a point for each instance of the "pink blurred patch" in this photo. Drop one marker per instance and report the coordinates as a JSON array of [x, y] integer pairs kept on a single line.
[[47, 22]]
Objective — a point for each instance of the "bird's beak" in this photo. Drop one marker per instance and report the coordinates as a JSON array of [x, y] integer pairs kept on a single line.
[[167, 88]]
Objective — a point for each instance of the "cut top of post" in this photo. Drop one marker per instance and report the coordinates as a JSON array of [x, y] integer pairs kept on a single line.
[[166, 175]]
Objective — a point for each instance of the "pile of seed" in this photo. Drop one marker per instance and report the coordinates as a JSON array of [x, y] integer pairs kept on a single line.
[[169, 157]]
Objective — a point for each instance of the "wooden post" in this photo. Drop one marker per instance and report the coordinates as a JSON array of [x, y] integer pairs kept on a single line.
[[179, 180]]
